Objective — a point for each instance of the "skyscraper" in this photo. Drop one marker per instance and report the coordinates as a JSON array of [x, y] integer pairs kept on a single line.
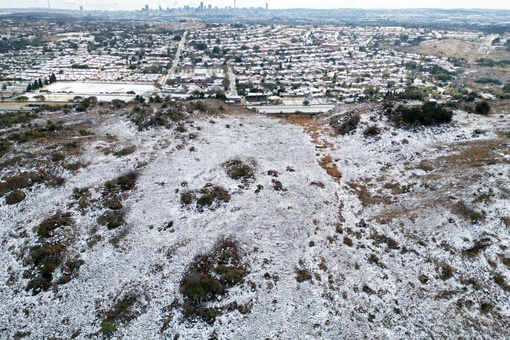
[[201, 6]]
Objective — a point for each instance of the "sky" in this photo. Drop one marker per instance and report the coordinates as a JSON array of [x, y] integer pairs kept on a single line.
[[273, 4]]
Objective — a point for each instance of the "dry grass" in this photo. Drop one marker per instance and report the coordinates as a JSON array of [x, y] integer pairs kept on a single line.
[[312, 126], [327, 164], [448, 48]]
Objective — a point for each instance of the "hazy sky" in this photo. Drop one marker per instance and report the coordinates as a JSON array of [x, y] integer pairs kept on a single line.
[[137, 4]]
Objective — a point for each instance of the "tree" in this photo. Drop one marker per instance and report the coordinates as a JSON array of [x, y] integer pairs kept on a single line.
[[306, 102], [482, 108], [40, 83], [22, 98], [29, 87]]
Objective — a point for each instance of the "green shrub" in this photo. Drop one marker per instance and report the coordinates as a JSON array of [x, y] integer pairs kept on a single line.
[[238, 170], [84, 132], [125, 151], [187, 198], [488, 80], [45, 258], [111, 219], [46, 227], [199, 105], [482, 108], [371, 131], [209, 277], [108, 328], [430, 113], [475, 216], [127, 181], [206, 200], [350, 124]]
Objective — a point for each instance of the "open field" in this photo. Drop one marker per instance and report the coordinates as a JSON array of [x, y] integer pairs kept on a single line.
[[63, 91]]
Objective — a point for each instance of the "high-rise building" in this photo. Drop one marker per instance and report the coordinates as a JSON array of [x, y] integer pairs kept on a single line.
[[267, 6], [201, 6], [81, 8], [146, 7], [209, 7], [160, 8]]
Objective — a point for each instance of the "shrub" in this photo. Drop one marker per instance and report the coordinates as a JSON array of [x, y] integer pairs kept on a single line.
[[187, 198], [108, 328], [210, 276], [371, 131], [45, 258], [482, 108], [475, 216], [488, 80], [206, 200], [199, 105], [430, 113], [125, 151], [127, 181], [84, 132], [111, 219], [15, 197], [46, 227], [238, 170], [350, 124], [181, 128], [303, 275]]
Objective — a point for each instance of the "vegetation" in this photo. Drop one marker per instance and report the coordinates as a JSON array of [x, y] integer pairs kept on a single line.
[[121, 313], [15, 197], [210, 197], [45, 258], [488, 80], [114, 216], [482, 108], [347, 125], [239, 170], [145, 117], [46, 227], [430, 113], [371, 131], [209, 277]]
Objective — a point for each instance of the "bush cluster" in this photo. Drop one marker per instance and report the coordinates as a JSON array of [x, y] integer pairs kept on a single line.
[[430, 113], [239, 170], [209, 197], [347, 125], [210, 276], [114, 216]]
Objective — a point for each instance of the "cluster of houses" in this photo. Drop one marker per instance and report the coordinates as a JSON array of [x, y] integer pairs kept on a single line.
[[321, 64], [245, 63]]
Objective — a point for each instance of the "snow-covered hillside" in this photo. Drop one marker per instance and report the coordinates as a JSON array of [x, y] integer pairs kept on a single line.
[[408, 240]]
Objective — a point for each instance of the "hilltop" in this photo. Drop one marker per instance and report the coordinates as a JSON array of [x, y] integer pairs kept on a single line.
[[199, 219]]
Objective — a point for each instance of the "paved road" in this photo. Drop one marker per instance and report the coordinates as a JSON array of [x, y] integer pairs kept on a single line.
[[232, 91], [171, 72]]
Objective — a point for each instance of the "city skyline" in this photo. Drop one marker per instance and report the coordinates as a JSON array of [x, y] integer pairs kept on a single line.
[[275, 4]]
